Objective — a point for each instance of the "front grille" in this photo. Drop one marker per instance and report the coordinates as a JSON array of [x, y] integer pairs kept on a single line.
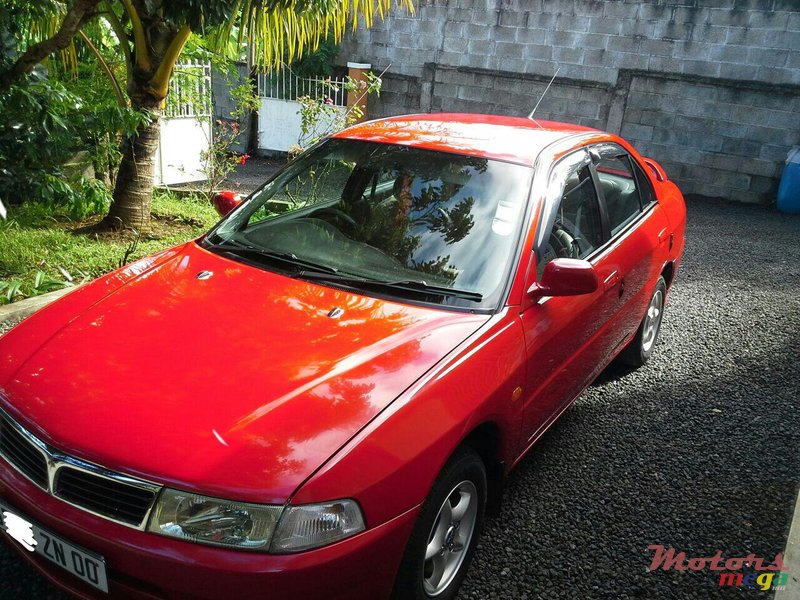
[[22, 453], [120, 498], [112, 499]]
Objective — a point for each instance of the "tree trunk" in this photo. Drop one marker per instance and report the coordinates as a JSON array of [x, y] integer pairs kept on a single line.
[[133, 192]]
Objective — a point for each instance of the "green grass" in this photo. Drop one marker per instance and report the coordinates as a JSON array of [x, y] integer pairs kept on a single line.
[[36, 243]]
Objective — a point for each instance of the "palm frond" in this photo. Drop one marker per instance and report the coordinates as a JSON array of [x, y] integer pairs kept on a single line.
[[279, 32]]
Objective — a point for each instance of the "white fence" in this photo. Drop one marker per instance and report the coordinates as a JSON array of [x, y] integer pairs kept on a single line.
[[279, 122], [185, 126]]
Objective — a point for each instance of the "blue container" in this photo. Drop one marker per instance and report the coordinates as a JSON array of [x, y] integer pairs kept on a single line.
[[789, 189]]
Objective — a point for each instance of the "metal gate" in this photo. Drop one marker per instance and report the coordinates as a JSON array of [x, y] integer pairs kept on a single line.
[[279, 121], [185, 126]]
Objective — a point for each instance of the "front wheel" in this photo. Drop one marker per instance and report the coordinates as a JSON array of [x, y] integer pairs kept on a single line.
[[638, 351], [443, 540]]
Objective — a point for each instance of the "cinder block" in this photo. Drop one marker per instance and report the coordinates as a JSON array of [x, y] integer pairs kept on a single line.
[[766, 18], [715, 3], [483, 47], [558, 37], [451, 44], [790, 40], [593, 41], [538, 53], [741, 147], [428, 26], [454, 29], [767, 57], [657, 119], [670, 137], [701, 67], [568, 55], [763, 185], [621, 10], [623, 44], [509, 18], [657, 47], [594, 58], [553, 6], [756, 166], [635, 131], [728, 17], [569, 22], [477, 32], [724, 162], [774, 75], [737, 71], [542, 20], [629, 60], [503, 34], [505, 50], [531, 36], [663, 64], [431, 41], [653, 12], [605, 25], [592, 8]]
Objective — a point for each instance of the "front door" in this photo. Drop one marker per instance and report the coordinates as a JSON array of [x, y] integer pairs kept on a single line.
[[562, 334]]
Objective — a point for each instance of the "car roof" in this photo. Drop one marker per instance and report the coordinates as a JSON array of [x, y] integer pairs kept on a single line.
[[512, 139]]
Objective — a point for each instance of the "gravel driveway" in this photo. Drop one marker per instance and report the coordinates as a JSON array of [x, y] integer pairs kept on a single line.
[[699, 450]]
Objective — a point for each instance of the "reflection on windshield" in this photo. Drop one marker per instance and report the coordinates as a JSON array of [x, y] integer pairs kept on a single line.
[[391, 213]]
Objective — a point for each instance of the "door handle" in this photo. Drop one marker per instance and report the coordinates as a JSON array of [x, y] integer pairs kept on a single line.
[[663, 236], [611, 281]]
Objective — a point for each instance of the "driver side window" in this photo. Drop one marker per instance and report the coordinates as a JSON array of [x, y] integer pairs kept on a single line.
[[577, 230]]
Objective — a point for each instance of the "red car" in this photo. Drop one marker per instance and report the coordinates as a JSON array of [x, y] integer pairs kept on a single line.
[[320, 398]]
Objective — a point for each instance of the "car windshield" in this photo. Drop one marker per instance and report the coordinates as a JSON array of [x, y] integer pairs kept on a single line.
[[393, 220]]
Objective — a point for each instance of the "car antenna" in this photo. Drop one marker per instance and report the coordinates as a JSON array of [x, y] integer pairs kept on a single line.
[[544, 93]]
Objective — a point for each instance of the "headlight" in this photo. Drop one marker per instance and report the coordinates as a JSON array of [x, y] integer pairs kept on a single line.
[[213, 521], [260, 527], [309, 526]]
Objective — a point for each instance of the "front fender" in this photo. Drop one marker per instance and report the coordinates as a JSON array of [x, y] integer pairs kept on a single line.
[[391, 465]]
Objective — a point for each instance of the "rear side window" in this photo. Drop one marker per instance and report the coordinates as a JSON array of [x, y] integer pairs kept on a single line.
[[645, 187], [620, 190]]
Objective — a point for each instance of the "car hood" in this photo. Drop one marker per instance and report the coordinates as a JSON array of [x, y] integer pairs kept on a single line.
[[239, 385]]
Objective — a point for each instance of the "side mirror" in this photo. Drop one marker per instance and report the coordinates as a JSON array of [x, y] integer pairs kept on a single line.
[[225, 202], [566, 277]]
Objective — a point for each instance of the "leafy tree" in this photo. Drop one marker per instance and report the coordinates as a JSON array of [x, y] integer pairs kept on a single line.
[[48, 118], [152, 34]]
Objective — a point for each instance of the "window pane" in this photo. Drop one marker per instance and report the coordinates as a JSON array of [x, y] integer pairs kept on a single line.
[[577, 231], [392, 214], [646, 189], [619, 190]]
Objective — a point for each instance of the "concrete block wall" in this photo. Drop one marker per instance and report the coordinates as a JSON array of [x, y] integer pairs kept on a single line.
[[671, 75], [221, 84], [715, 139]]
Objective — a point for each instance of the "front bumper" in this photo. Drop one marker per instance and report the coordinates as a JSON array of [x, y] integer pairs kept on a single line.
[[146, 565]]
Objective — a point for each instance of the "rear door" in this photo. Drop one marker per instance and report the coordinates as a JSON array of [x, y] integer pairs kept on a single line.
[[637, 229]]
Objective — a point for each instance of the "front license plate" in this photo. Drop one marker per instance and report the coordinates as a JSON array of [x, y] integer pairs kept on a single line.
[[86, 566]]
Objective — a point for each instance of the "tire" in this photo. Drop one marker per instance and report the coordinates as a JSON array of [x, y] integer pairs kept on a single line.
[[640, 348], [451, 541]]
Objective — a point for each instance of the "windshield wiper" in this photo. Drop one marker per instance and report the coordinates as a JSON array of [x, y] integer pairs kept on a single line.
[[421, 286], [284, 257], [409, 285]]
